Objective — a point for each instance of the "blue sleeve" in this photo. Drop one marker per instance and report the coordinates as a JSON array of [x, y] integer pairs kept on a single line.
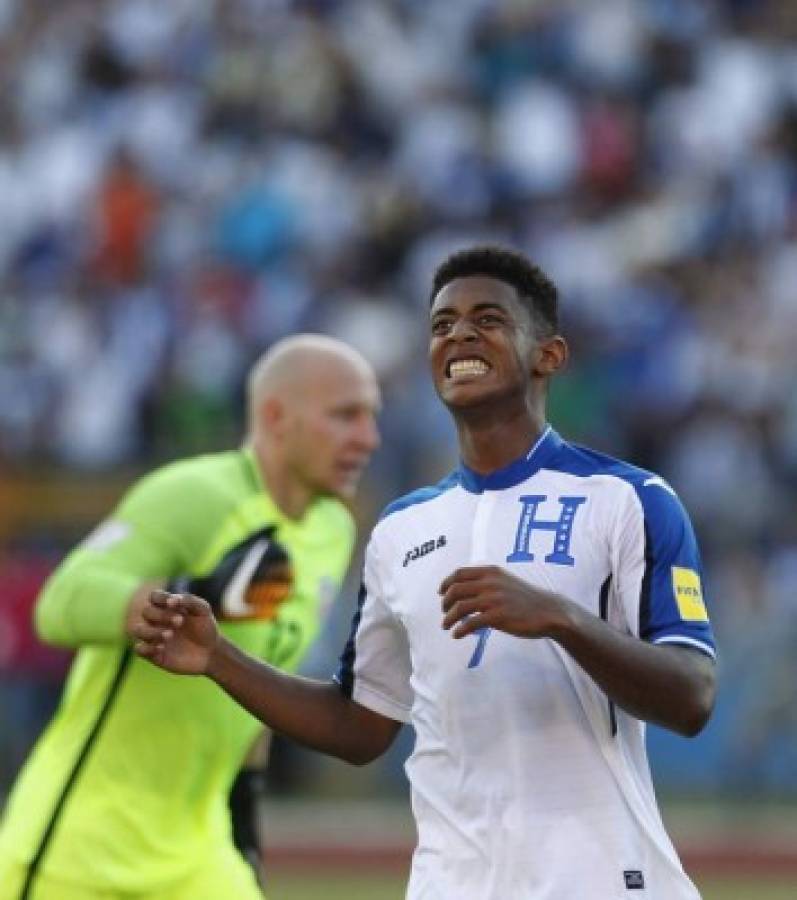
[[672, 606]]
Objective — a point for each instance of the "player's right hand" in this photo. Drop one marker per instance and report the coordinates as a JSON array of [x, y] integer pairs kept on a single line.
[[176, 632]]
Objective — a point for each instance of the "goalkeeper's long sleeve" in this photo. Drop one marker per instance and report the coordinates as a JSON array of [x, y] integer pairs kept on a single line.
[[84, 603], [142, 542]]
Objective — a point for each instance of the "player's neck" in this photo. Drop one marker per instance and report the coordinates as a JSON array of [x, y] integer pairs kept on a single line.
[[292, 497], [488, 443]]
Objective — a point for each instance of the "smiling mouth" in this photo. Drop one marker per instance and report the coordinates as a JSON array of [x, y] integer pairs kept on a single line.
[[467, 368]]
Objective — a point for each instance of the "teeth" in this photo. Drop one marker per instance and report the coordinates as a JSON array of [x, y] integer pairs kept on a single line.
[[467, 367]]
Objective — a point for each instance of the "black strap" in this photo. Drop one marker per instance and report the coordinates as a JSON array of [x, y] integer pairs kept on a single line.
[[604, 614], [124, 664]]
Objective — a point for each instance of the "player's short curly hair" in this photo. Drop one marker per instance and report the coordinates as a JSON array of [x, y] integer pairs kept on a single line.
[[534, 288]]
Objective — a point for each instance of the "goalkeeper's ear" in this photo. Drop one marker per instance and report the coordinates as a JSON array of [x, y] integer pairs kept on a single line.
[[273, 414]]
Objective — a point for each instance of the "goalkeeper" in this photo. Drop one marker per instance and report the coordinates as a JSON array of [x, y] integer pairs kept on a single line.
[[264, 535]]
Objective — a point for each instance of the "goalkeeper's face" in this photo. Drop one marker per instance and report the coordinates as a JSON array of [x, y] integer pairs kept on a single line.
[[332, 429]]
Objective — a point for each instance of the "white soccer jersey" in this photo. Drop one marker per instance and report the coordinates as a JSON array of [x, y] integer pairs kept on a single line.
[[527, 784]]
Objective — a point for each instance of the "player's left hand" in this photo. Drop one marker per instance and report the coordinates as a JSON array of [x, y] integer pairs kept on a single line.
[[476, 597], [176, 632]]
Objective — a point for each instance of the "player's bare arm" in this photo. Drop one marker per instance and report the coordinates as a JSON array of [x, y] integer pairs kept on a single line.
[[670, 685], [179, 634]]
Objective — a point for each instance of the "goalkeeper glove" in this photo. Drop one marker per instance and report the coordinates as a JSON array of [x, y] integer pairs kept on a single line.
[[250, 582]]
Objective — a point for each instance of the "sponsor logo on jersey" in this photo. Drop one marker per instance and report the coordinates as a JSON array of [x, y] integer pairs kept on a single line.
[[688, 594], [423, 549]]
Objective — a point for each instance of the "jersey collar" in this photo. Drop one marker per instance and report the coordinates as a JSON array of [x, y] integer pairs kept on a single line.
[[545, 448], [252, 468]]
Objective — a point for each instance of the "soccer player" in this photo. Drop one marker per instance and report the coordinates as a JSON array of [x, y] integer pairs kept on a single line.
[[126, 792], [527, 615]]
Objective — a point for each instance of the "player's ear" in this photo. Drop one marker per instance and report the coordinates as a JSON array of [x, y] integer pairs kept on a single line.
[[552, 354], [273, 415]]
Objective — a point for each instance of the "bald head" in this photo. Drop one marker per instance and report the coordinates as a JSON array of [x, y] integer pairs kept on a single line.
[[297, 365], [312, 404]]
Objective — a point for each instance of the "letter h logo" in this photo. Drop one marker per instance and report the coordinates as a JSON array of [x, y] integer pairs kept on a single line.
[[561, 527]]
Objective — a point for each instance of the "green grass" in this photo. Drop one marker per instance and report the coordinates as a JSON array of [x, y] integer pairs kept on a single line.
[[736, 889], [285, 885]]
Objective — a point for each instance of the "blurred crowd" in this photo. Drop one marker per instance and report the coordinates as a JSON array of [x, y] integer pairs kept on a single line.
[[183, 182]]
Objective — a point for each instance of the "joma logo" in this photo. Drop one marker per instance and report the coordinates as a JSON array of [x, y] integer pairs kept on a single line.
[[423, 549]]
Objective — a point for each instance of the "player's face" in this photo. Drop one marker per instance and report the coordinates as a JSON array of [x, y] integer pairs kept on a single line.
[[333, 429], [481, 343]]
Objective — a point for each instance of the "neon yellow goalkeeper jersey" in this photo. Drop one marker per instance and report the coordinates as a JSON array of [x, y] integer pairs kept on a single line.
[[128, 786]]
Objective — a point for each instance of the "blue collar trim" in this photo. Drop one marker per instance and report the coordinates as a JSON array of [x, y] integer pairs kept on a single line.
[[543, 451]]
